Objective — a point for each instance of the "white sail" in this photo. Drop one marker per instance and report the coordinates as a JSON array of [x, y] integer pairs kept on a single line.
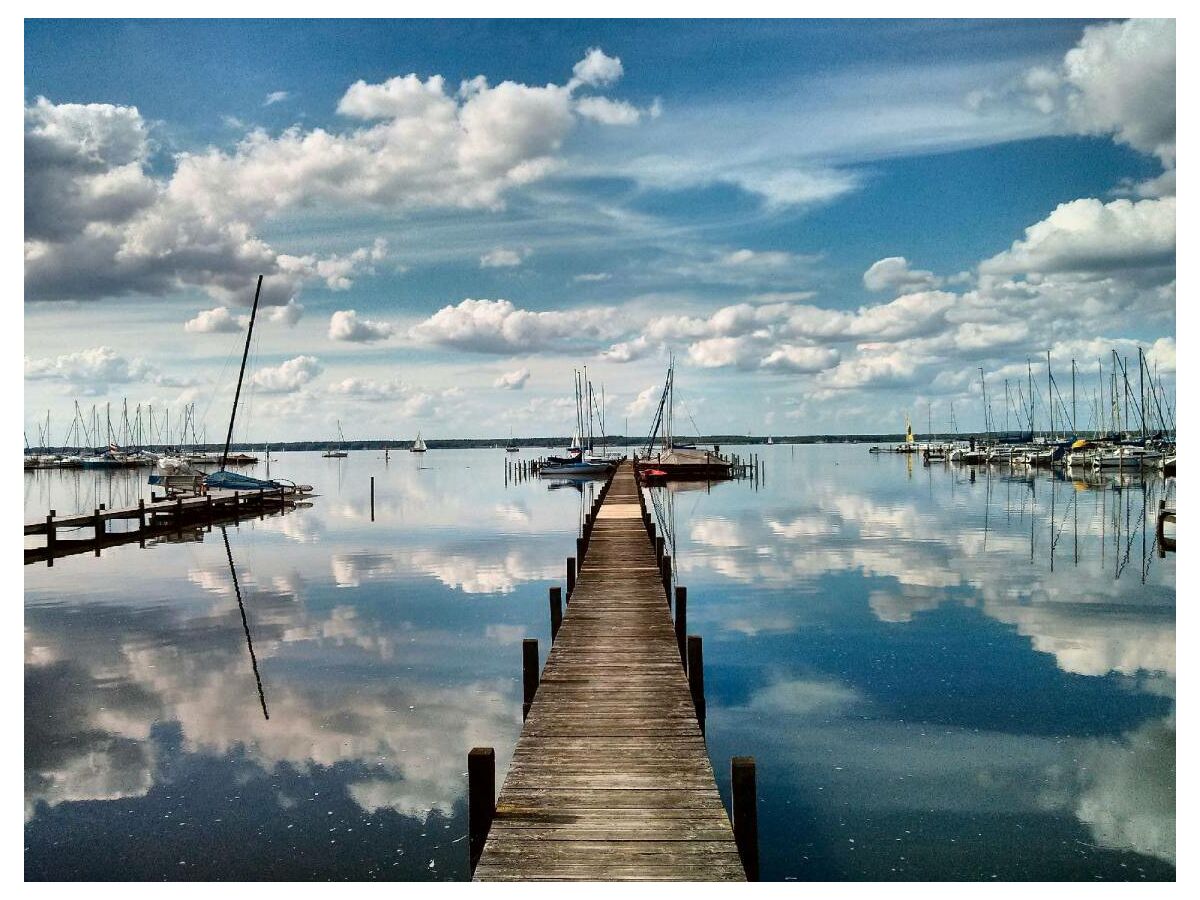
[[419, 445]]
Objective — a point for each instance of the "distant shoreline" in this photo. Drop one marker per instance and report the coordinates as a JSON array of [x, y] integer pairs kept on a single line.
[[616, 442]]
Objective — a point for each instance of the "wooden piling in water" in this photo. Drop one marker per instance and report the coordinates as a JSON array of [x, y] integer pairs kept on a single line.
[[570, 577], [556, 611], [481, 799], [681, 624], [529, 673], [695, 672], [744, 791]]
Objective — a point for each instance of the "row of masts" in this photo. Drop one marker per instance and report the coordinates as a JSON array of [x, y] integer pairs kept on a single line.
[[142, 428], [590, 407], [1117, 404]]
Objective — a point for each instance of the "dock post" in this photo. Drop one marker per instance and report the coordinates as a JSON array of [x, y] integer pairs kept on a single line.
[[529, 673], [372, 498], [570, 577], [745, 813], [681, 623], [141, 514], [208, 507], [665, 571], [555, 612], [237, 505], [282, 501], [98, 527], [659, 547], [695, 658], [51, 538], [580, 550], [481, 799]]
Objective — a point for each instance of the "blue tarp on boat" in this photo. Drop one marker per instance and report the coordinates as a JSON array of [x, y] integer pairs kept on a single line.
[[235, 481]]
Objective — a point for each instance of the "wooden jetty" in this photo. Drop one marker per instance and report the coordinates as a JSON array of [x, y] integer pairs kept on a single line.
[[610, 779], [161, 517]]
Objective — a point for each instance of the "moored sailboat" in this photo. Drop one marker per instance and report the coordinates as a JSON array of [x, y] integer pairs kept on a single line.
[[339, 451], [672, 461]]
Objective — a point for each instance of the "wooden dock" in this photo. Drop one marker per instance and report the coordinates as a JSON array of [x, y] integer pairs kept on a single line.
[[160, 518], [610, 779]]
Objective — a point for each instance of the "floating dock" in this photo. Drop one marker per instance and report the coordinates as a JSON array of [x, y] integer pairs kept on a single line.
[[610, 779], [160, 518]]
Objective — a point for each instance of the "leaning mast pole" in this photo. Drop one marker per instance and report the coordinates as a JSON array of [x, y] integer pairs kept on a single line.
[[241, 373]]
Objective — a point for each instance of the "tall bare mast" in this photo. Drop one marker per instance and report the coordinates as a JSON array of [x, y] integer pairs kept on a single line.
[[241, 373]]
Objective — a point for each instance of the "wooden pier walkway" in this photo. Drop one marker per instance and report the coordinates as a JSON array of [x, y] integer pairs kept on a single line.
[[160, 518], [610, 779]]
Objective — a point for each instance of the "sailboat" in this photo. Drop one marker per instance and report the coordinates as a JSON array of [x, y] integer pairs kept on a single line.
[[512, 447], [339, 451], [673, 461], [418, 445], [223, 479], [576, 462]]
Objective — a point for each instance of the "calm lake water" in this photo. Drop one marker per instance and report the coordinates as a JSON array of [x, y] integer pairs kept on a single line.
[[941, 676]]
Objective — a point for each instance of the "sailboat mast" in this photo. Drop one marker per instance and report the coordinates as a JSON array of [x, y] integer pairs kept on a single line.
[[1029, 372], [1142, 392], [1074, 420], [241, 373], [1050, 393]]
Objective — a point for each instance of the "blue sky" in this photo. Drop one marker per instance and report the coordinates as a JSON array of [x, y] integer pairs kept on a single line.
[[842, 220]]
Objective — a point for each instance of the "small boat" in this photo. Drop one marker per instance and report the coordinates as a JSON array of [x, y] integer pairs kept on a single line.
[[579, 467], [512, 447], [1128, 457], [770, 440], [339, 451], [418, 445]]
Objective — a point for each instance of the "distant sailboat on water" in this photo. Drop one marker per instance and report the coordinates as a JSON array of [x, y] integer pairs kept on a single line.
[[512, 447], [340, 451], [418, 445]]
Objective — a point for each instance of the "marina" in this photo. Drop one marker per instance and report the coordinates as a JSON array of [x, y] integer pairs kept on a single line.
[[834, 536]]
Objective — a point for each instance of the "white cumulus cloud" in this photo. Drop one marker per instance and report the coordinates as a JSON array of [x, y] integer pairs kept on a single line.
[[288, 376], [893, 273], [512, 381], [345, 325]]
